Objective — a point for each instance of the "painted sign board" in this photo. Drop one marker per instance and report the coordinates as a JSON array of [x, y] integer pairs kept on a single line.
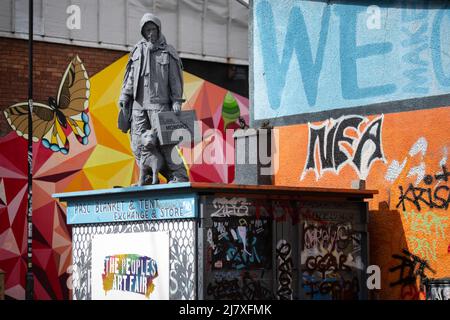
[[131, 208], [130, 266], [167, 124]]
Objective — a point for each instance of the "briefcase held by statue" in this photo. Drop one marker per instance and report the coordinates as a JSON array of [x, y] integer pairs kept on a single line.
[[173, 128]]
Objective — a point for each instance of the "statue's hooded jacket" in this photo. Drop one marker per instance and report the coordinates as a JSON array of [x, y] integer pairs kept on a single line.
[[153, 74]]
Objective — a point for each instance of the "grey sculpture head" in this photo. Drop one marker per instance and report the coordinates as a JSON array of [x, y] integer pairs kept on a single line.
[[146, 21]]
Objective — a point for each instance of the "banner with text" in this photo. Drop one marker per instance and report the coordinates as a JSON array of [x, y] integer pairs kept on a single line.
[[133, 266], [131, 208]]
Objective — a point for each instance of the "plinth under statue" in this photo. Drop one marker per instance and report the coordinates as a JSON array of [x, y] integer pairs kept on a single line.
[[153, 84]]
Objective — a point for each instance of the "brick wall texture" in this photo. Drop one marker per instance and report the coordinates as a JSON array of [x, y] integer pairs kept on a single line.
[[50, 61]]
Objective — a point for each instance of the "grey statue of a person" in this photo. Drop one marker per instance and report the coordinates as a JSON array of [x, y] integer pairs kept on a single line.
[[153, 83]]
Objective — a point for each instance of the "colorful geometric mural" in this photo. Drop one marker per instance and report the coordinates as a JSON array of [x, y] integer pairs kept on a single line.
[[106, 161]]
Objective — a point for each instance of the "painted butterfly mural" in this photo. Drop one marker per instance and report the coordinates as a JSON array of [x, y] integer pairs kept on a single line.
[[52, 122]]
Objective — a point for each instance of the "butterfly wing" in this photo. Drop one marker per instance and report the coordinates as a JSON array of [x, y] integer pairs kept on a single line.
[[55, 139], [73, 99], [45, 126], [80, 127]]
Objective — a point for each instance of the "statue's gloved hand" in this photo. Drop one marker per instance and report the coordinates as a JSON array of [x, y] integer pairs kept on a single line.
[[176, 107], [123, 103]]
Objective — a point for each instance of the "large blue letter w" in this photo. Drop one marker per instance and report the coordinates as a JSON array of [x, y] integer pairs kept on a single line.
[[297, 39]]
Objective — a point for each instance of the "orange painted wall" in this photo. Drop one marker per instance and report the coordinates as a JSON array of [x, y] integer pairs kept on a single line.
[[420, 142]]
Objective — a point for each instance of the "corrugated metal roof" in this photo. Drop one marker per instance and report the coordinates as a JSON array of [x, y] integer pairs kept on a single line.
[[213, 30]]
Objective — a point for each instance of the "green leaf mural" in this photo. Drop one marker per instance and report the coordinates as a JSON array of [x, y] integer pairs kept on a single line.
[[230, 110]]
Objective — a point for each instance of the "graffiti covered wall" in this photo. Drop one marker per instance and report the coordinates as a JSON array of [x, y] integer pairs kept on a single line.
[[406, 161], [358, 121], [238, 250], [262, 248]]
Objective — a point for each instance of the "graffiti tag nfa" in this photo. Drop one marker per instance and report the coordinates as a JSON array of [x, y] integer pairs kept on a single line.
[[331, 137]]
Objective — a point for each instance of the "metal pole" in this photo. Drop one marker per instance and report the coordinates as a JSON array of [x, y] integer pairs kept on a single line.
[[205, 10], [29, 290]]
